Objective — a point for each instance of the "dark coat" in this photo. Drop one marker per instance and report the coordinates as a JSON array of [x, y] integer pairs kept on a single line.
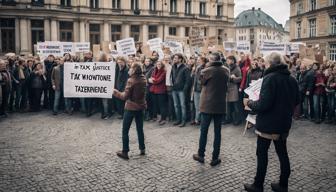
[[134, 93], [180, 77], [214, 80], [279, 96], [197, 78], [310, 81], [122, 76], [233, 85]]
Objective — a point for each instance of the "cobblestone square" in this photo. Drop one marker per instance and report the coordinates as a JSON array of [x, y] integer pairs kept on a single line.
[[41, 152]]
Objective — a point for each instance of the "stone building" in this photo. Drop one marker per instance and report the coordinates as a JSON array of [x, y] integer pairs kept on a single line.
[[314, 23], [25, 22], [256, 26]]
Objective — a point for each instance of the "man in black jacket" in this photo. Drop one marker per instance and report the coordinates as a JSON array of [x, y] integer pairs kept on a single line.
[[120, 84], [180, 76], [279, 96], [310, 86]]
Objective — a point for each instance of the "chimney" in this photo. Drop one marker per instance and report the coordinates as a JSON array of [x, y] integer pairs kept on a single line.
[[252, 8]]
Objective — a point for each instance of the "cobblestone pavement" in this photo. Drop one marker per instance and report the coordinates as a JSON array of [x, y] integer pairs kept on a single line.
[[41, 152]]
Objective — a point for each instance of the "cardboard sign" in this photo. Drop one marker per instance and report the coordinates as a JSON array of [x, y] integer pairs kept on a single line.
[[82, 47], [145, 49], [126, 46], [89, 79], [105, 46], [96, 51], [310, 54]]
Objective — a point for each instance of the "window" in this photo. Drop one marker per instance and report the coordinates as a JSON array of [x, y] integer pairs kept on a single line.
[[173, 6], [152, 5], [66, 3], [37, 31], [332, 2], [66, 30], [115, 4], [7, 31], [187, 8], [8, 2], [299, 8], [37, 2], [333, 25], [172, 31], [312, 27], [298, 30], [135, 32], [116, 32], [332, 52], [312, 5], [220, 36], [202, 8], [94, 34], [152, 31], [219, 10], [186, 31], [134, 5], [94, 4]]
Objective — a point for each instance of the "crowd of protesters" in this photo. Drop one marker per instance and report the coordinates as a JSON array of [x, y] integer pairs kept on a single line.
[[29, 84]]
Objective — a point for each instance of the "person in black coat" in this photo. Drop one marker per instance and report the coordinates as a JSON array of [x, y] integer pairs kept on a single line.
[[49, 93], [279, 96], [120, 84]]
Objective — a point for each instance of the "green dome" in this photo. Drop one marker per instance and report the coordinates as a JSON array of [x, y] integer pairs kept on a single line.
[[256, 17]]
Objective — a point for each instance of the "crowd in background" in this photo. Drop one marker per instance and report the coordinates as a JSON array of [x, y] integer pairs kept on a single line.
[[173, 89]]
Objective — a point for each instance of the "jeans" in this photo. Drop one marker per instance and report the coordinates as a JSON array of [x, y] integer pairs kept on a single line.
[[205, 123], [318, 106], [309, 106], [180, 106], [171, 111], [160, 105], [18, 96], [57, 99], [127, 121], [197, 96], [105, 103], [233, 112], [262, 160], [68, 104], [331, 98]]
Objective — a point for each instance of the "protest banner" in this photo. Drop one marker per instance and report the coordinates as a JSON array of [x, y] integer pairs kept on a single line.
[[229, 45], [270, 47], [82, 47], [67, 47], [243, 46], [89, 79], [174, 46], [155, 44], [126, 46], [49, 48]]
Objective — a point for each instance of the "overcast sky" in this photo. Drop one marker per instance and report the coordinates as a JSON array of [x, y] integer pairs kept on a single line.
[[278, 9]]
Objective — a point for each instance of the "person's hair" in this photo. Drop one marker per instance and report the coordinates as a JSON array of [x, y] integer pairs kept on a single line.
[[162, 65], [204, 59], [215, 56], [179, 55], [121, 59], [136, 66], [103, 57], [274, 59], [233, 58]]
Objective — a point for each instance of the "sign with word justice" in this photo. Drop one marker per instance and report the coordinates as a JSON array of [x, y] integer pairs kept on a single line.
[[89, 79]]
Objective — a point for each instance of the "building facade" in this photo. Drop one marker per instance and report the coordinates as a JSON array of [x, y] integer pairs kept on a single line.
[[23, 23], [255, 26], [314, 23]]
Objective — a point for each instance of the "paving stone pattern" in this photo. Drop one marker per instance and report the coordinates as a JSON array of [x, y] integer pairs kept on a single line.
[[41, 152]]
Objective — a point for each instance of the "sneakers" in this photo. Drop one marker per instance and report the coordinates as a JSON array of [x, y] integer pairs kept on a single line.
[[123, 155], [198, 158], [253, 188], [215, 162], [278, 188]]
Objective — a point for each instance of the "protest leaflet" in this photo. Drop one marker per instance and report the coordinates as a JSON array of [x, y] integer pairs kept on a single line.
[[126, 46], [253, 91], [89, 79]]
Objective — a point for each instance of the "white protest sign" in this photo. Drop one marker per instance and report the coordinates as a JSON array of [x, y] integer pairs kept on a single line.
[[154, 44], [47, 48], [89, 79], [253, 91], [269, 47], [81, 47], [67, 47], [175, 47], [294, 47], [230, 46], [126, 46], [243, 46]]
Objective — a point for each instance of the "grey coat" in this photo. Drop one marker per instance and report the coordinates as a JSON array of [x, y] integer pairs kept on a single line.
[[233, 85]]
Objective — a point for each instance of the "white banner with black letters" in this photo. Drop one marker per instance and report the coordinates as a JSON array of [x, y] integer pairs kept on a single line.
[[89, 79]]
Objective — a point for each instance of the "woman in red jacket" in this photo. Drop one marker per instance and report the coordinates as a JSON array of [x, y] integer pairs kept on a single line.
[[159, 91]]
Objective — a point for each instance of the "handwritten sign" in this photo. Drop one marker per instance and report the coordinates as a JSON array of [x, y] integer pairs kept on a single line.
[[49, 48], [89, 79], [126, 46], [270, 47], [230, 46], [154, 44], [243, 46], [67, 47], [82, 47]]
